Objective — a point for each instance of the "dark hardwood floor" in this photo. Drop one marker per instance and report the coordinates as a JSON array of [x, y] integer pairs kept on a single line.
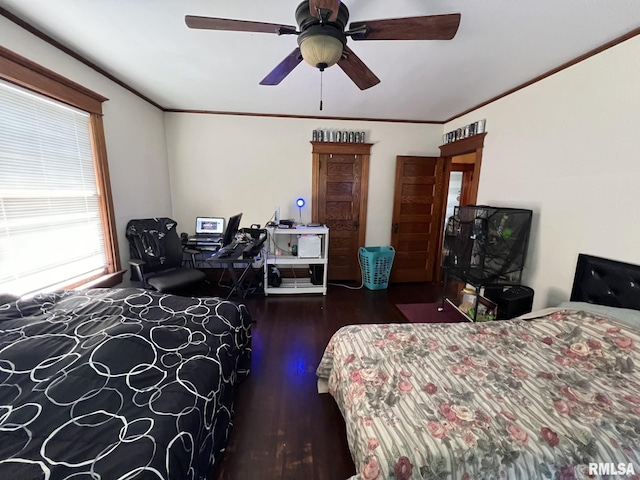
[[284, 429]]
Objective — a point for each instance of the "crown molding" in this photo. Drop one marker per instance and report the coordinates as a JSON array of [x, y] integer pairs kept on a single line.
[[312, 117]]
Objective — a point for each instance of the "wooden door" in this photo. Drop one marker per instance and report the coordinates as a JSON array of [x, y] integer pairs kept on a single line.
[[340, 184], [419, 193]]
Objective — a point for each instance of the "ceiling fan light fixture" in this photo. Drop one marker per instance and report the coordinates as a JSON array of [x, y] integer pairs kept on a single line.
[[321, 51]]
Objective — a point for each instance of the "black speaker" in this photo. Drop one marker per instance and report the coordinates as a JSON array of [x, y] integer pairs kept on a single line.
[[511, 301], [317, 274], [274, 279]]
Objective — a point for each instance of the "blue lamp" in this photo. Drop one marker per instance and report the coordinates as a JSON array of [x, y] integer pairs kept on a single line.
[[300, 203]]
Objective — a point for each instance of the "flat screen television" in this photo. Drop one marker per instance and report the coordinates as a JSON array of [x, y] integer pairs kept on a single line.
[[232, 228]]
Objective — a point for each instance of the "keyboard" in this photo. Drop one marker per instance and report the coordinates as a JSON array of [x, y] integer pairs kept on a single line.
[[204, 239]]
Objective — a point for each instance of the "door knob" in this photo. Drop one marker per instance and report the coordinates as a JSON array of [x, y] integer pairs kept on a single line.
[[355, 224], [395, 228]]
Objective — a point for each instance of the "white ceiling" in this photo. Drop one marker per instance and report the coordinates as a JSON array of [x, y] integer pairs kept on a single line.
[[500, 44]]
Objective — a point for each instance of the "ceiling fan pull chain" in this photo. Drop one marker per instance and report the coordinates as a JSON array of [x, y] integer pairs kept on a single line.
[[321, 72]]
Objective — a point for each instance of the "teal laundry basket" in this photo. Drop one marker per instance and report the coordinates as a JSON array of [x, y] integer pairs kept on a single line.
[[376, 263]]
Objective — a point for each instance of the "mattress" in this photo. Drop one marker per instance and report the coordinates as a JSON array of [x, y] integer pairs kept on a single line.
[[522, 399], [118, 383]]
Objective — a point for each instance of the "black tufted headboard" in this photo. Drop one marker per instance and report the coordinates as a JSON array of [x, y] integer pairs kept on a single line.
[[606, 282]]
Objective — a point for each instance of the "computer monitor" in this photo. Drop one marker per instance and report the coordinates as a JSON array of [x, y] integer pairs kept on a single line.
[[209, 225], [232, 228]]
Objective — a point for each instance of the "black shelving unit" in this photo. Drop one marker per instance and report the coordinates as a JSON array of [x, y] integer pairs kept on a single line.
[[485, 246]]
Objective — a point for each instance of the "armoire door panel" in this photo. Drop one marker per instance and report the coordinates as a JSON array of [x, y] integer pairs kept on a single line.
[[416, 243], [339, 210], [418, 181], [417, 170], [422, 227], [339, 225], [423, 209], [339, 166], [341, 189], [417, 189], [408, 261]]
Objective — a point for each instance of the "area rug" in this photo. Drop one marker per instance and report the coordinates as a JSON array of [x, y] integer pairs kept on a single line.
[[428, 313]]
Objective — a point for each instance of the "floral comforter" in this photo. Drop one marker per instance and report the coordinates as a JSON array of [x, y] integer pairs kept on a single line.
[[515, 399]]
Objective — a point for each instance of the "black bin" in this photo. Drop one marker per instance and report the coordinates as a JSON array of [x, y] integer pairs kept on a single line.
[[511, 301]]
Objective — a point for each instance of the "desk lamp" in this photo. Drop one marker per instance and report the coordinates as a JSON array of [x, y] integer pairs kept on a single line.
[[300, 203]]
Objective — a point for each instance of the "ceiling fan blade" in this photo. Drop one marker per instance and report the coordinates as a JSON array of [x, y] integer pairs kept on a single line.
[[333, 5], [432, 27], [356, 70], [212, 23], [284, 68]]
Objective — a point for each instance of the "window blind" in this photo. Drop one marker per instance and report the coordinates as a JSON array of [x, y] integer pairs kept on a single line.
[[50, 224]]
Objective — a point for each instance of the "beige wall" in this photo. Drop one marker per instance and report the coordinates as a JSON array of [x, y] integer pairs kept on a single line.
[[134, 132], [567, 147], [222, 165]]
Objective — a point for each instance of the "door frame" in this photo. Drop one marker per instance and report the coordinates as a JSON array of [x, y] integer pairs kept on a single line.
[[448, 151]]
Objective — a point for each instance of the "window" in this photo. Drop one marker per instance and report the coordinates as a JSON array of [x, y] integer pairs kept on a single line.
[[56, 227]]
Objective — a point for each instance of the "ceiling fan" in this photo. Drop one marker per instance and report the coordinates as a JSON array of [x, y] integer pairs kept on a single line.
[[322, 38]]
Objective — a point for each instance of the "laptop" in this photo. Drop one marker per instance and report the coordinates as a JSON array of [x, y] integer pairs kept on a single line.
[[209, 231]]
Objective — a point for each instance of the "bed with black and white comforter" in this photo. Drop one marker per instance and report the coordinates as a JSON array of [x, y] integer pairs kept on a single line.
[[118, 384]]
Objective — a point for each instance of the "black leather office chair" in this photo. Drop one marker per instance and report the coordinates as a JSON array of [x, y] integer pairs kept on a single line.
[[156, 255]]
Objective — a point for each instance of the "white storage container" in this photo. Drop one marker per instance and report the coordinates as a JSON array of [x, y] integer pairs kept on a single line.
[[309, 246]]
